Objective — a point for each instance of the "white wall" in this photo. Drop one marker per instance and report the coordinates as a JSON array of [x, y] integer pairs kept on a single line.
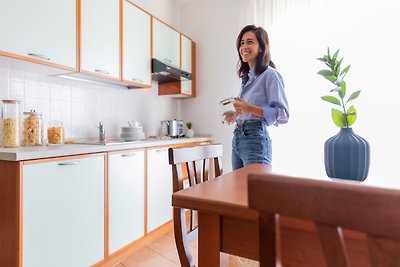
[[214, 26]]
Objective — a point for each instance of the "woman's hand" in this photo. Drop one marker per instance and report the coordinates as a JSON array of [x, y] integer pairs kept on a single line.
[[241, 106], [229, 116]]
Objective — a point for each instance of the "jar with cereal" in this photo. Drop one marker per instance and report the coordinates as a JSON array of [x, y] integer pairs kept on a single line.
[[32, 129], [55, 133], [11, 123]]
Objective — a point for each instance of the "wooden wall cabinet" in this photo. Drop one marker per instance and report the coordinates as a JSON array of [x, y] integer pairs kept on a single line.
[[136, 45], [40, 31], [100, 39], [126, 176], [166, 43], [184, 88]]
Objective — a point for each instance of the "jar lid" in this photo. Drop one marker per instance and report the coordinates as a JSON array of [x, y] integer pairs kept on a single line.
[[11, 101], [32, 112]]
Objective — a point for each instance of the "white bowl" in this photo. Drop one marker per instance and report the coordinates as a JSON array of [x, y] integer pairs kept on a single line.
[[133, 137]]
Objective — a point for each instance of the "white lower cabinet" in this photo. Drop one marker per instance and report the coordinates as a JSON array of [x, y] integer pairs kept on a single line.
[[126, 198], [159, 188], [63, 212]]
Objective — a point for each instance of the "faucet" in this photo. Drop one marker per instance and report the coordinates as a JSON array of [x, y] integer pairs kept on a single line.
[[102, 133]]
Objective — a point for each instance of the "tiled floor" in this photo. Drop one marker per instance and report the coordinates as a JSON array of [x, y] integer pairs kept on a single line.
[[162, 253]]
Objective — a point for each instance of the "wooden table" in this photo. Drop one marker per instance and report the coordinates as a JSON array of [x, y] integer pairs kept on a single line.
[[226, 224]]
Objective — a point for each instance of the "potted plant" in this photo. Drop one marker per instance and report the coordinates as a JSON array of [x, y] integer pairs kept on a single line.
[[346, 154], [190, 131]]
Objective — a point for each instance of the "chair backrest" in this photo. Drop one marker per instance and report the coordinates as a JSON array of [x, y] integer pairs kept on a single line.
[[191, 164], [332, 206]]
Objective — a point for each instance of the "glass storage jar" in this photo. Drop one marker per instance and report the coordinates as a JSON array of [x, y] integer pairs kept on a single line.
[[32, 129], [55, 133], [11, 123]]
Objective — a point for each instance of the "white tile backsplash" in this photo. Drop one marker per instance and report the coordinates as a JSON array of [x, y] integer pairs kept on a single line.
[[82, 105]]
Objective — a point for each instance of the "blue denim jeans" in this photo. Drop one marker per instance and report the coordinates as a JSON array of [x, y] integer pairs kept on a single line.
[[250, 144]]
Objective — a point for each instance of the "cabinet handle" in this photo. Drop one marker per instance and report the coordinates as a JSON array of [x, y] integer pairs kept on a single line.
[[69, 163], [128, 155], [161, 150], [102, 71], [38, 56], [137, 80]]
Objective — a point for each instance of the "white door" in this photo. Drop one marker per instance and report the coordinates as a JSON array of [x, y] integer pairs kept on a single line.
[[63, 213], [40, 29], [126, 198], [166, 43], [159, 188], [136, 45], [100, 37]]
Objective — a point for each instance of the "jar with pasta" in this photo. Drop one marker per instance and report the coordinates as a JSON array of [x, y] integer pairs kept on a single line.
[[32, 132], [55, 133], [11, 123]]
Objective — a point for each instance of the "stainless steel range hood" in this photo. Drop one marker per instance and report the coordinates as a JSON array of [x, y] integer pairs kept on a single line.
[[164, 73]]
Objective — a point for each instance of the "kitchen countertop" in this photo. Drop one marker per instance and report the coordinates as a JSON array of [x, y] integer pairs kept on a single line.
[[49, 151]]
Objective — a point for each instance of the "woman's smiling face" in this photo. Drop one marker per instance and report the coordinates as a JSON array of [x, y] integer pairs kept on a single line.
[[249, 48]]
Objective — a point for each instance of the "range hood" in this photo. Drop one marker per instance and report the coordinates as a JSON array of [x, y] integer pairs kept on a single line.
[[164, 73]]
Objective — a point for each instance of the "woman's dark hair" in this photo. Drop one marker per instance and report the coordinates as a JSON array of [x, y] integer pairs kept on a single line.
[[264, 57]]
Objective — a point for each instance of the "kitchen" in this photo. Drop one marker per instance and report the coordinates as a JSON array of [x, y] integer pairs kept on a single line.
[[82, 105]]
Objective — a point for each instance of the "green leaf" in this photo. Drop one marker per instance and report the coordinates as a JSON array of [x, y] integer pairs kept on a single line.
[[338, 118], [336, 90], [323, 59], [327, 74], [345, 70], [335, 67], [335, 55], [342, 93], [354, 95], [338, 68], [331, 99], [351, 116]]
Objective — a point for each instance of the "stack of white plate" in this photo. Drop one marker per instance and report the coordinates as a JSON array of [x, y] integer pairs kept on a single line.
[[134, 133]]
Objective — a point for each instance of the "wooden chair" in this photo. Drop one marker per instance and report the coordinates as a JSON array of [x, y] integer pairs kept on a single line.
[[191, 163], [332, 206]]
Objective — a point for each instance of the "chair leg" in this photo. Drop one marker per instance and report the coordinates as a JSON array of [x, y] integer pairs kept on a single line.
[[182, 244]]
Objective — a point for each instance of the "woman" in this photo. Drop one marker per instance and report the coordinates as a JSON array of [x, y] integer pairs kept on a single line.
[[262, 101]]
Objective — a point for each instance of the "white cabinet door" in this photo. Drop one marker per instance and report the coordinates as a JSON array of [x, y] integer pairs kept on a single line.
[[40, 29], [159, 188], [186, 87], [136, 45], [100, 37], [166, 43], [186, 53], [63, 213], [126, 198]]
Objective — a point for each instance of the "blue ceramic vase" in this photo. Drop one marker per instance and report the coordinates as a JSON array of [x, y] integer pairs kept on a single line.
[[347, 156]]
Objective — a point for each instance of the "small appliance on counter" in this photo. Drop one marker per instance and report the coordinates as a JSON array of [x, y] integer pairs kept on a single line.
[[172, 128]]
